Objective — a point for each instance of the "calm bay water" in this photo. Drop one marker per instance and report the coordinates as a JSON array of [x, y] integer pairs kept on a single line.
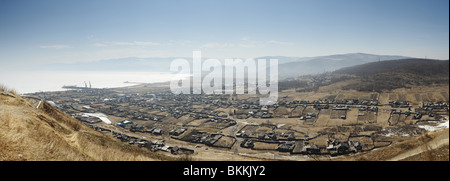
[[35, 81]]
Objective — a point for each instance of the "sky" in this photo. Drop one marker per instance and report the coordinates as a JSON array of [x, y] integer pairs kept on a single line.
[[54, 31]]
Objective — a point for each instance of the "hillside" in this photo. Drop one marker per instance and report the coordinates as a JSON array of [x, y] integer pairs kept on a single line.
[[45, 133], [376, 76], [425, 67], [404, 73], [431, 146], [329, 63]]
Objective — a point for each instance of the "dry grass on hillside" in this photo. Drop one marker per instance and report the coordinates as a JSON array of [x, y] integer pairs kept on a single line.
[[440, 154], [414, 149], [5, 89], [27, 133]]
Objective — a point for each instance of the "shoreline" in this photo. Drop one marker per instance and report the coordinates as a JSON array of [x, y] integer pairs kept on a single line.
[[30, 82]]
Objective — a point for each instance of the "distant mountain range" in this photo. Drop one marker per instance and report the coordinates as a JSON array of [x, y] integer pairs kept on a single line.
[[411, 66], [330, 63], [393, 74], [287, 66], [377, 76]]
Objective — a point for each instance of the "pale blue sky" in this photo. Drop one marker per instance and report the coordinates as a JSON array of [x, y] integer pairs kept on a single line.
[[49, 31]]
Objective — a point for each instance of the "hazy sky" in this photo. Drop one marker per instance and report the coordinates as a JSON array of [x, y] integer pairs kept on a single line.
[[43, 31]]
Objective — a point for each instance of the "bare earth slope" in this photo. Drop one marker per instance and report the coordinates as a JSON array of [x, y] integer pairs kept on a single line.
[[431, 146], [425, 151]]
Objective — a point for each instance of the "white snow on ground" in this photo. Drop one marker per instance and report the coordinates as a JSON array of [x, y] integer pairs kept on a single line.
[[280, 125], [437, 127], [246, 123], [396, 134], [101, 116], [256, 124]]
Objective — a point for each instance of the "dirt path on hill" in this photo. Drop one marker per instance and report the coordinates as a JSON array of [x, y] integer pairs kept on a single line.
[[441, 140]]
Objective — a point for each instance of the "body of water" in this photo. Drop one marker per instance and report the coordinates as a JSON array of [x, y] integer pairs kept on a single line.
[[36, 81]]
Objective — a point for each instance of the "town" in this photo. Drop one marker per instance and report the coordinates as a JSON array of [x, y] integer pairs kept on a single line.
[[152, 117]]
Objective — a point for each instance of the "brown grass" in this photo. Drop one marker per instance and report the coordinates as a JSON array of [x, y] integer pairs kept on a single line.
[[185, 157], [387, 153], [440, 154], [4, 88], [60, 116]]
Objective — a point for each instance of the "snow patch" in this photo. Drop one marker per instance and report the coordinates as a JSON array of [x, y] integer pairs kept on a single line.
[[437, 127], [101, 116], [280, 125]]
